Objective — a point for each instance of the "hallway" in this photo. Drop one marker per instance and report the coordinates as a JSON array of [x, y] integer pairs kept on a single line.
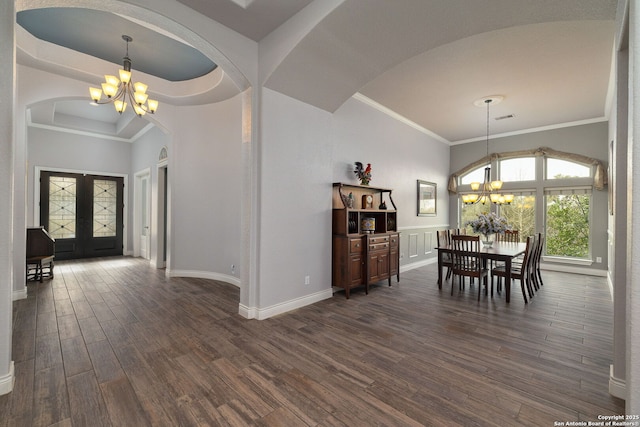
[[112, 342]]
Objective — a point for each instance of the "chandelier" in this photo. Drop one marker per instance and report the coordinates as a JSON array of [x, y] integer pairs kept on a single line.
[[119, 91], [487, 191]]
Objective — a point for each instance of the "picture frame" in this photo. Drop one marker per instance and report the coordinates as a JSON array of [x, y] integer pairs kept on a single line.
[[427, 198]]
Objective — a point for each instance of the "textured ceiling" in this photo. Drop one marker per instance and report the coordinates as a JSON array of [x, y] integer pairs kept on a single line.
[[426, 61], [430, 60], [251, 18]]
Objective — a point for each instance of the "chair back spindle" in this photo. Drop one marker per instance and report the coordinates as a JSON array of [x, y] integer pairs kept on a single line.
[[512, 236]]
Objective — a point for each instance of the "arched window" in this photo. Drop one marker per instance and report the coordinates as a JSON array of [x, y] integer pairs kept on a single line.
[[518, 169], [553, 195], [562, 169], [476, 175]]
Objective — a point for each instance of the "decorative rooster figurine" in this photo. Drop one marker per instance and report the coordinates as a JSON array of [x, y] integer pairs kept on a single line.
[[364, 175]]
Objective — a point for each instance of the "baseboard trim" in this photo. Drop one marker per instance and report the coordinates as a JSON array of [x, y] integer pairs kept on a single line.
[[564, 268], [204, 275], [283, 307], [617, 387], [7, 381], [19, 294], [418, 264]]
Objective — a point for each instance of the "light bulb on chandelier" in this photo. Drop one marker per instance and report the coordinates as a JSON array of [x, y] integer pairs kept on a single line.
[[487, 191], [120, 90]]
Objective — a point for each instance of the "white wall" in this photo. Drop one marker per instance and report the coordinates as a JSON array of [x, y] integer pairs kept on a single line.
[[633, 289], [618, 222], [399, 156], [295, 223], [145, 153], [305, 150], [206, 180], [205, 177], [61, 150], [7, 234]]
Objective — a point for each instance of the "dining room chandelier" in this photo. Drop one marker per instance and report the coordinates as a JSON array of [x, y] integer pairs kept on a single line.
[[487, 191], [120, 90]]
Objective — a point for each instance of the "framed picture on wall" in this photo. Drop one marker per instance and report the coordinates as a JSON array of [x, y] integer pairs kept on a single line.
[[427, 197]]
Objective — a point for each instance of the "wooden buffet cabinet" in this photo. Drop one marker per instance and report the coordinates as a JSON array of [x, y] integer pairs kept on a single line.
[[365, 239]]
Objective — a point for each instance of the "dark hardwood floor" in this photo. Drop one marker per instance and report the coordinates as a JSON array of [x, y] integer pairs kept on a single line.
[[113, 343]]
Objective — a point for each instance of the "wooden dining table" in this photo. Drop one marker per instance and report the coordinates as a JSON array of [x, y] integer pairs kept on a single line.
[[500, 251]]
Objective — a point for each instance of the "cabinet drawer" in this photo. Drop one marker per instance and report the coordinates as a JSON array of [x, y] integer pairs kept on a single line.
[[394, 240], [378, 239], [378, 246], [355, 246]]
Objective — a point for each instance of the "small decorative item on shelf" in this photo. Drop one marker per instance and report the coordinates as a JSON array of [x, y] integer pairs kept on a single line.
[[363, 174], [488, 224], [367, 201], [383, 205], [368, 225], [347, 201]]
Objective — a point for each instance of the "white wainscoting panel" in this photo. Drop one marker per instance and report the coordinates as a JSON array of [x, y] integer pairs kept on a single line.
[[428, 242], [413, 245]]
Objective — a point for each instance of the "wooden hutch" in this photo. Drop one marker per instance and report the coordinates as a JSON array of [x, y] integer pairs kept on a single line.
[[365, 236]]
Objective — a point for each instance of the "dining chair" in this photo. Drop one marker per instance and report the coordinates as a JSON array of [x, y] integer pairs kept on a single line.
[[512, 236], [444, 240], [536, 261], [468, 263], [519, 271]]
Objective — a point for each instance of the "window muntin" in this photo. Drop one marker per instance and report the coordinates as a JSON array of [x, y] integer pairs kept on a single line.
[[518, 169], [561, 169]]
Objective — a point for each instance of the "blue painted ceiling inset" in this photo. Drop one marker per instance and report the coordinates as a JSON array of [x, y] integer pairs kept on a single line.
[[99, 34]]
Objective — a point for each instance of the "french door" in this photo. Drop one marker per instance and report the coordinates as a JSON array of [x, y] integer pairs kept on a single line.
[[84, 213]]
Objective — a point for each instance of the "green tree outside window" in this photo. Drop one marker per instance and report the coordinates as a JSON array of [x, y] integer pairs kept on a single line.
[[568, 225]]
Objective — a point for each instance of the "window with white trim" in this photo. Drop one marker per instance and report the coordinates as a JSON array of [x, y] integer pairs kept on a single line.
[[568, 218], [562, 169], [552, 196]]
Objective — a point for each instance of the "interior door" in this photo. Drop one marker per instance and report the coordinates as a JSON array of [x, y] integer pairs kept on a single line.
[[145, 217], [84, 213]]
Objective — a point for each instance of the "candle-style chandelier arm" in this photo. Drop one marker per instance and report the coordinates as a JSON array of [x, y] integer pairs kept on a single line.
[[120, 90], [487, 191]]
